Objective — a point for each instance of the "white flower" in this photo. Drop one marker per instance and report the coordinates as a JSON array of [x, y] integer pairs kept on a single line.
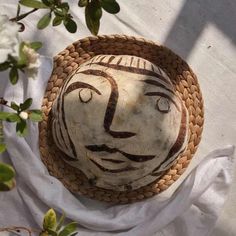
[[24, 115], [32, 61], [9, 41]]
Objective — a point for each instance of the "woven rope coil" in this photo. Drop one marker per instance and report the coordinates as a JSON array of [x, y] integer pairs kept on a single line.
[[186, 85]]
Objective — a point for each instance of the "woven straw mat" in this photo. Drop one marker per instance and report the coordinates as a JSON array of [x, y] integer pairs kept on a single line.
[[185, 83]]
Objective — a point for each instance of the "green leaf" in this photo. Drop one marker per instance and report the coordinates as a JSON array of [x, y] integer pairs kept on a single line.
[[44, 233], [27, 103], [2, 147], [7, 185], [35, 115], [36, 45], [70, 25], [65, 6], [44, 21], [13, 118], [93, 14], [14, 106], [12, 59], [69, 229], [4, 66], [22, 61], [57, 21], [47, 3], [6, 172], [95, 10], [61, 221], [59, 12], [52, 232], [4, 115], [14, 76], [10, 117], [74, 234], [111, 6], [50, 220], [83, 3], [21, 128], [32, 3]]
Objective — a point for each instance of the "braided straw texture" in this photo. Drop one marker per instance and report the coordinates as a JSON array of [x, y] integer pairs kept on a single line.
[[186, 86]]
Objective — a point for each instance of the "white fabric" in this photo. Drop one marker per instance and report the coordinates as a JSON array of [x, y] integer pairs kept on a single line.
[[192, 210], [197, 30]]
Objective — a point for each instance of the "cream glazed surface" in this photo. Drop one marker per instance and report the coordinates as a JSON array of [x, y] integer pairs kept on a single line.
[[119, 121]]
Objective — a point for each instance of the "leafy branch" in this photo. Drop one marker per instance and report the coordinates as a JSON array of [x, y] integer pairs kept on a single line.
[[7, 180], [58, 13], [21, 114], [51, 226], [93, 12], [19, 64]]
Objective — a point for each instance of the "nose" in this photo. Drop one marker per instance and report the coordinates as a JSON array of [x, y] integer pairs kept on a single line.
[[111, 109], [109, 115], [116, 134]]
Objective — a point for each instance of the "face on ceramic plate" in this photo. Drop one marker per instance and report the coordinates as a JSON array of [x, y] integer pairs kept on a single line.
[[120, 121]]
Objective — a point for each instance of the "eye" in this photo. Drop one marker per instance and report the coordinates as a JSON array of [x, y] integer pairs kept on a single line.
[[163, 105], [85, 95]]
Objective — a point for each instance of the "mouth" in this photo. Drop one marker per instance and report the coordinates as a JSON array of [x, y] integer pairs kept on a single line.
[[132, 157], [128, 168]]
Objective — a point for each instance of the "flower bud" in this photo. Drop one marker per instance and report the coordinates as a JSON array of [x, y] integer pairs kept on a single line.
[[24, 115]]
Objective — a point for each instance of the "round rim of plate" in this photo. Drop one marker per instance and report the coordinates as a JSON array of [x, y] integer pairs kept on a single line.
[[186, 86]]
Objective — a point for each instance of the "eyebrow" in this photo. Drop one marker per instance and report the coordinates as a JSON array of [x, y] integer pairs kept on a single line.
[[130, 69], [156, 83], [163, 95], [77, 85]]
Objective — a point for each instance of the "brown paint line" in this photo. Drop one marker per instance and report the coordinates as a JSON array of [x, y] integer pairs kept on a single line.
[[144, 64], [55, 133], [119, 61], [138, 63], [159, 70], [91, 61], [180, 139], [77, 85], [64, 121], [157, 174], [61, 134], [59, 126], [68, 158], [58, 103], [112, 160], [133, 70], [181, 136], [111, 59], [131, 61], [81, 99], [156, 83], [132, 157], [113, 171], [163, 111], [98, 57], [152, 68], [163, 95], [102, 58], [112, 103]]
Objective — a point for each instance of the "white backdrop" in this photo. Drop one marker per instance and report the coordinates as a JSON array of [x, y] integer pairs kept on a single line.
[[202, 32]]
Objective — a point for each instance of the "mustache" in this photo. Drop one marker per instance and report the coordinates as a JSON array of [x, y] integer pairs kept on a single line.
[[132, 157]]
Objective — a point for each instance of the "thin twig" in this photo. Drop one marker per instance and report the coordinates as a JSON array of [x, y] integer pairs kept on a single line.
[[20, 17], [4, 102]]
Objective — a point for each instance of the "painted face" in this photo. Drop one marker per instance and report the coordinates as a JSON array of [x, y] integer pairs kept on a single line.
[[119, 121]]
